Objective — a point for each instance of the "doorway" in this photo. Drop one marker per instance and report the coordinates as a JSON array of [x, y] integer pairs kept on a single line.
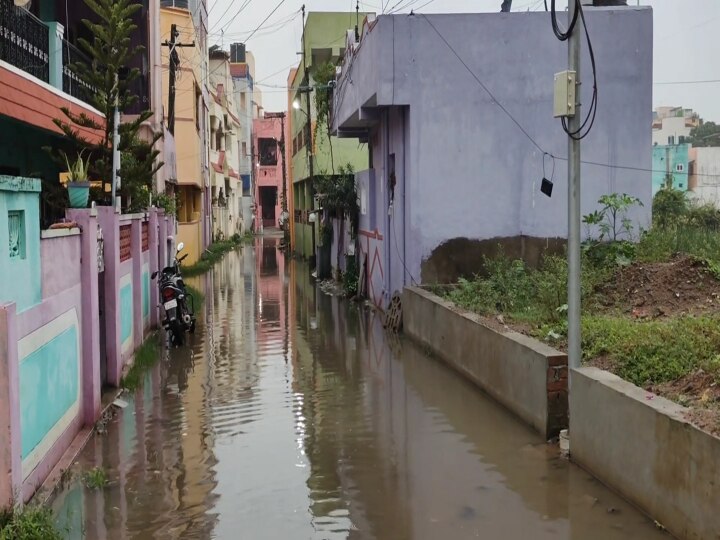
[[268, 201]]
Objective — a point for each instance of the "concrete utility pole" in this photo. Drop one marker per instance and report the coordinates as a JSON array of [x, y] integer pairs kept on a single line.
[[309, 142], [574, 221], [282, 156], [174, 62], [116, 152]]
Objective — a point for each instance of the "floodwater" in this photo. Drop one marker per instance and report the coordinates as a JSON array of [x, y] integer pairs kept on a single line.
[[291, 415]]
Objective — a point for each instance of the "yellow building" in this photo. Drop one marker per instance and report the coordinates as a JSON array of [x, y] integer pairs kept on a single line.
[[190, 122]]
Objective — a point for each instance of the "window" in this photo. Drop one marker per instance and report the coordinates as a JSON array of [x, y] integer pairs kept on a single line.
[[198, 108], [16, 228], [243, 103], [268, 152], [671, 139], [244, 149], [680, 167], [218, 140]]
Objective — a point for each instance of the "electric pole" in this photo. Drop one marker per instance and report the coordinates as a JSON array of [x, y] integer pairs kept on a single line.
[[174, 61], [574, 223], [309, 141], [116, 182], [282, 156]]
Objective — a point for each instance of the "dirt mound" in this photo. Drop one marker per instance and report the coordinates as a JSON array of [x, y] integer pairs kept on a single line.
[[681, 286], [699, 391]]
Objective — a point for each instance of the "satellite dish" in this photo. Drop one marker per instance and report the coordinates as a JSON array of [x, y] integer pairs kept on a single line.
[[22, 3]]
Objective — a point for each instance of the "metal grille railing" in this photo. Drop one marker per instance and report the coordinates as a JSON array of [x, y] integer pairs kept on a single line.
[[24, 40], [72, 57]]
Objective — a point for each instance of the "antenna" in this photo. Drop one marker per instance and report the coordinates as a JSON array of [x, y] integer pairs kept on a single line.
[[357, 21]]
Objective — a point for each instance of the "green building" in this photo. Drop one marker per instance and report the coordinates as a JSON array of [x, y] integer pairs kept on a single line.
[[324, 38]]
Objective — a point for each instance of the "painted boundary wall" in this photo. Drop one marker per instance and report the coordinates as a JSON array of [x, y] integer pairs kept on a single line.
[[44, 344], [642, 446], [371, 244], [525, 375], [50, 371]]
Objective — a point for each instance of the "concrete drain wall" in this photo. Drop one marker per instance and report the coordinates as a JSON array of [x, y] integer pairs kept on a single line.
[[523, 374], [643, 446]]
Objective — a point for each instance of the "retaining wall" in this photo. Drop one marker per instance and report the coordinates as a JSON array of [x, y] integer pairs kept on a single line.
[[642, 446], [525, 375]]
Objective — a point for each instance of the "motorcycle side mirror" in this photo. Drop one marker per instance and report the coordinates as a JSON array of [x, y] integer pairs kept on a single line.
[[153, 275], [180, 247]]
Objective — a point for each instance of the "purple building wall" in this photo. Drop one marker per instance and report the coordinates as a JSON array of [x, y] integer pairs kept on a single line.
[[466, 178]]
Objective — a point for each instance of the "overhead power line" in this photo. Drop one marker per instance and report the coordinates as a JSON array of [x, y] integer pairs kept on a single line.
[[525, 132], [711, 81]]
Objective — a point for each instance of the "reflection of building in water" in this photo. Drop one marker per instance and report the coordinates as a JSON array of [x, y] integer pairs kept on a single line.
[[271, 297], [352, 483]]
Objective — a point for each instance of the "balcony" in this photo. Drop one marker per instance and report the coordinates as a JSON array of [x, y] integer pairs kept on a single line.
[[38, 48]]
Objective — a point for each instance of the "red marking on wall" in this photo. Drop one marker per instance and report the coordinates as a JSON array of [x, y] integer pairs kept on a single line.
[[145, 236], [371, 234], [125, 243]]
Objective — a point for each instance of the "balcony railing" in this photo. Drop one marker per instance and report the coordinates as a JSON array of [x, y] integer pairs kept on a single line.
[[24, 40], [71, 82]]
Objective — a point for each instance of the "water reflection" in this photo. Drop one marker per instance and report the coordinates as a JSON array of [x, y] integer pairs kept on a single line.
[[291, 414]]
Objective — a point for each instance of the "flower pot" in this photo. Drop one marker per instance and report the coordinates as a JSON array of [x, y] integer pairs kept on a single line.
[[79, 193]]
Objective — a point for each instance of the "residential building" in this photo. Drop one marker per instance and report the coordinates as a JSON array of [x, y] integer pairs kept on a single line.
[[672, 125], [452, 175], [225, 148], [671, 166], [704, 178], [242, 68], [191, 124], [271, 179], [323, 42], [36, 83]]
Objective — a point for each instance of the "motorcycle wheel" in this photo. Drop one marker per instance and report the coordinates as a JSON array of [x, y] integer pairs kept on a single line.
[[177, 334]]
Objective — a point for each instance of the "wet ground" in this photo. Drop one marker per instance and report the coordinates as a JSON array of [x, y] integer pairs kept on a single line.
[[291, 415]]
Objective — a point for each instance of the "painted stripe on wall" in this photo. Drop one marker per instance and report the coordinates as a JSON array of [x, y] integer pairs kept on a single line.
[[50, 391], [126, 312]]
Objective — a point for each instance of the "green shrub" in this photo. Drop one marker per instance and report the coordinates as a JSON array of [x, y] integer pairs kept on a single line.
[[670, 206], [30, 523], [350, 277]]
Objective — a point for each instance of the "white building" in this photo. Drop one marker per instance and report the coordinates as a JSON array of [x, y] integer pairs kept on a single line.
[[225, 126], [672, 125], [249, 106], [704, 178]]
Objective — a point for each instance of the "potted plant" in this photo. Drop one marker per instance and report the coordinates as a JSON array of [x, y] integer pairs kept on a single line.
[[78, 184]]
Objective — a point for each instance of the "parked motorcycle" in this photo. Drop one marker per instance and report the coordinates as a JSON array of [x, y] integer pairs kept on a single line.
[[178, 304]]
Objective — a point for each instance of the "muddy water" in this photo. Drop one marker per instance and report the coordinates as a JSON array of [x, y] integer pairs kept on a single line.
[[291, 415]]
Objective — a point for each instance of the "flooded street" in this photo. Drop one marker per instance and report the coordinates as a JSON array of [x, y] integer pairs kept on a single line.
[[291, 415]]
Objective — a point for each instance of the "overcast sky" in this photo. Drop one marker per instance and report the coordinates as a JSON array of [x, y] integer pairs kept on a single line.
[[686, 41]]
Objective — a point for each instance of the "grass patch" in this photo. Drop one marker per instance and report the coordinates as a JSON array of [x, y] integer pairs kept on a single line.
[[654, 352], [145, 358], [95, 478], [660, 244], [647, 351], [30, 523], [213, 254]]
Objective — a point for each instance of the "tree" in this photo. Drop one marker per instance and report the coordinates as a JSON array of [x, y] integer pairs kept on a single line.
[[707, 134], [109, 79]]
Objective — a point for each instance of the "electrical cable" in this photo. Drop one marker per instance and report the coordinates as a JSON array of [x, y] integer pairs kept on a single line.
[[582, 131], [482, 85], [562, 36], [242, 7], [265, 20]]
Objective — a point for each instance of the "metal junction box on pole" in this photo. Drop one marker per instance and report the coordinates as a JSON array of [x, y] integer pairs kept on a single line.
[[565, 85]]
